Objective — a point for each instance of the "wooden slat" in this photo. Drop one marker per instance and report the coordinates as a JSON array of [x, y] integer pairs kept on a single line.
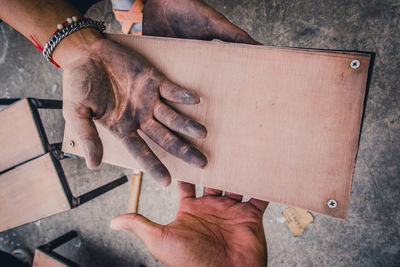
[[43, 260], [30, 192], [283, 124], [19, 137], [134, 192]]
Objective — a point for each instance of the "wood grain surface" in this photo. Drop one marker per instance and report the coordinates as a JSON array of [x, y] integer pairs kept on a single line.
[[19, 137], [43, 260], [30, 192], [283, 123], [134, 192]]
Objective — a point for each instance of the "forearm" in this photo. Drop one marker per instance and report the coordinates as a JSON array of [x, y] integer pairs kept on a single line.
[[38, 19]]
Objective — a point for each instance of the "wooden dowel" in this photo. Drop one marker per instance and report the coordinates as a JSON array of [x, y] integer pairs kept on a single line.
[[134, 192]]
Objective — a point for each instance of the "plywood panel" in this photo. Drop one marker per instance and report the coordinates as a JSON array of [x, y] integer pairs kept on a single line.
[[30, 192], [283, 124], [19, 137], [43, 260]]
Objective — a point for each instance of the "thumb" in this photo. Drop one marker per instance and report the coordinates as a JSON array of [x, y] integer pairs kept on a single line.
[[146, 230], [89, 141]]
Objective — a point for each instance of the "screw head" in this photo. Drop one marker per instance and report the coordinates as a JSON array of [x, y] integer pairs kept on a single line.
[[355, 64], [332, 204], [71, 144]]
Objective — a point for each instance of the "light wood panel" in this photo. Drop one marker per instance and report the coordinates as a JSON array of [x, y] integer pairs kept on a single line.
[[43, 260], [30, 192], [19, 137], [283, 123]]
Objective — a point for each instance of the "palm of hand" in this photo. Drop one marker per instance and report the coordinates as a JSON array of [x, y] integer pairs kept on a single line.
[[219, 227], [213, 230], [121, 90]]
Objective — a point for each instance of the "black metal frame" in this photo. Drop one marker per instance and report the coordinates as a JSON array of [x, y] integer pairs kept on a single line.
[[49, 247], [76, 201], [56, 153], [34, 105]]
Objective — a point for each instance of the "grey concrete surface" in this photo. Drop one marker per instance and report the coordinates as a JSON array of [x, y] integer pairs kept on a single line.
[[369, 236]]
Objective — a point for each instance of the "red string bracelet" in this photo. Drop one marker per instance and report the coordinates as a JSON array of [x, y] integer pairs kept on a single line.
[[40, 48]]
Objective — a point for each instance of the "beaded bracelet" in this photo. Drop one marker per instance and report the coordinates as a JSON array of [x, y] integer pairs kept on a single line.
[[70, 26]]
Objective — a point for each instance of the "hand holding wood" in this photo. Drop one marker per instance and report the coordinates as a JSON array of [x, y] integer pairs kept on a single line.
[[125, 93], [212, 230]]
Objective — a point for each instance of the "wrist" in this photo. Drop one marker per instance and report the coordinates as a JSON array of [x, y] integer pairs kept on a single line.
[[75, 46]]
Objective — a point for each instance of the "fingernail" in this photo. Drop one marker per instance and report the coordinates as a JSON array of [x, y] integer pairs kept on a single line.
[[161, 175], [195, 157], [115, 225]]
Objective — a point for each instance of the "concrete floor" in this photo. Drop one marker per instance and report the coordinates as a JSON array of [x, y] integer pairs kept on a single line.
[[370, 235]]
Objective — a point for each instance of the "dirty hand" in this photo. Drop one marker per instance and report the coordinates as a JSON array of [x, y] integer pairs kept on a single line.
[[123, 92], [191, 19], [212, 230]]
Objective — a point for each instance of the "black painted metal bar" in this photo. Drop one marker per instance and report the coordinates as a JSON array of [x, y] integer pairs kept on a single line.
[[19, 164], [39, 125], [48, 248], [99, 191], [46, 103], [8, 101], [59, 241], [63, 181], [37, 102]]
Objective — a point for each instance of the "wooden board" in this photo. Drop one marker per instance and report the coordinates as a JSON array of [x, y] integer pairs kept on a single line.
[[30, 192], [19, 137], [43, 260], [283, 123]]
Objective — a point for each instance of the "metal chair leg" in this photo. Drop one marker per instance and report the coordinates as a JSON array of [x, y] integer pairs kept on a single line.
[[46, 103], [49, 247], [36, 102], [60, 240], [57, 154], [99, 191], [8, 101]]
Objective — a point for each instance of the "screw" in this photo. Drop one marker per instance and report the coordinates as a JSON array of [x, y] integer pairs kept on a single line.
[[355, 64], [332, 204], [71, 144]]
